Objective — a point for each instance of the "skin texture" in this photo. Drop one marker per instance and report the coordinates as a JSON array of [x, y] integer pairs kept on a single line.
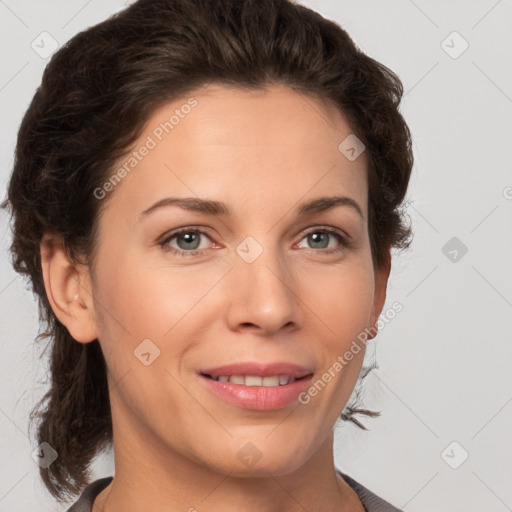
[[175, 443]]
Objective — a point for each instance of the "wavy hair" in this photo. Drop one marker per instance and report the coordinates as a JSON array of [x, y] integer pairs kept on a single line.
[[95, 96]]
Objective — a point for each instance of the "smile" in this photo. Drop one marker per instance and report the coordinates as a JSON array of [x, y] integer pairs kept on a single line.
[[257, 386], [255, 380]]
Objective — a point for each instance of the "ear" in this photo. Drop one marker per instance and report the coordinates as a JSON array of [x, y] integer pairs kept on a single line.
[[68, 288], [381, 284]]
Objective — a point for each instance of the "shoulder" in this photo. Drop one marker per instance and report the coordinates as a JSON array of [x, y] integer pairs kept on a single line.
[[370, 501], [84, 503]]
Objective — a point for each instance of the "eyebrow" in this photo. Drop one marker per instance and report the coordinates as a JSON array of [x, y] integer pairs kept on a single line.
[[211, 207]]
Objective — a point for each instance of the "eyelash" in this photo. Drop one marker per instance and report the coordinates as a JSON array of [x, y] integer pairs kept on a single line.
[[343, 241]]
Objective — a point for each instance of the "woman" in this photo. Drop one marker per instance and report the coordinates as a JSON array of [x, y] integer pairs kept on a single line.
[[205, 196]]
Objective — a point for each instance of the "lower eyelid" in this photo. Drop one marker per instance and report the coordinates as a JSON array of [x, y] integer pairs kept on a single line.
[[342, 239]]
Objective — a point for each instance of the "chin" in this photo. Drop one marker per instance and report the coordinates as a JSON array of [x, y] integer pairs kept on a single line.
[[257, 459]]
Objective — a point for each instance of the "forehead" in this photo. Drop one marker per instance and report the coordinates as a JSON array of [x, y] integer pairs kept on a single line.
[[228, 143], [270, 117]]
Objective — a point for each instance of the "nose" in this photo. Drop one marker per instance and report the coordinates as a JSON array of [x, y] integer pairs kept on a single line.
[[262, 297]]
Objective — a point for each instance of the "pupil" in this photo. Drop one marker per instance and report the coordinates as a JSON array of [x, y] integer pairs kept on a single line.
[[190, 238], [317, 238]]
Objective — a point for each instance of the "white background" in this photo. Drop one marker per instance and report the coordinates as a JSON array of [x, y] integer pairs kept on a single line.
[[444, 361]]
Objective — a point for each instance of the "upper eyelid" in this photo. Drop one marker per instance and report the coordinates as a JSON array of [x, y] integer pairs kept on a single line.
[[178, 231], [204, 231]]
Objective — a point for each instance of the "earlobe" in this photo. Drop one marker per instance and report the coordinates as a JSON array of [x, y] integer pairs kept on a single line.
[[68, 288]]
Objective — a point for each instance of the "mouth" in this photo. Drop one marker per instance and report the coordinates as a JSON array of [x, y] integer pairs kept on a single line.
[[270, 381], [257, 386]]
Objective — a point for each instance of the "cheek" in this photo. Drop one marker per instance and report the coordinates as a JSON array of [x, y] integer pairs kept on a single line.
[[126, 308], [138, 301], [143, 302], [169, 306], [341, 299], [343, 307]]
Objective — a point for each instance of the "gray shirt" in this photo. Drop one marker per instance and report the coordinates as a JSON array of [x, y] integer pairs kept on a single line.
[[370, 501]]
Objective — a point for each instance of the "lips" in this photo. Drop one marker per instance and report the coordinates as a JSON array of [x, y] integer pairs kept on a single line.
[[255, 380], [289, 370], [258, 386]]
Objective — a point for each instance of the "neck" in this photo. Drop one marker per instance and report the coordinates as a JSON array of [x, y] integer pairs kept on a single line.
[[150, 475], [142, 486]]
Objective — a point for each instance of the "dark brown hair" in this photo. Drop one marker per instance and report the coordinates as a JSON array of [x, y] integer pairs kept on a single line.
[[96, 94]]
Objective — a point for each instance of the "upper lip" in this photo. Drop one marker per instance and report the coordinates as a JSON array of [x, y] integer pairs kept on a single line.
[[259, 369]]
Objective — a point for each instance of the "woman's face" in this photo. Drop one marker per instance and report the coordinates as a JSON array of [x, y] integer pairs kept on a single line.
[[259, 279]]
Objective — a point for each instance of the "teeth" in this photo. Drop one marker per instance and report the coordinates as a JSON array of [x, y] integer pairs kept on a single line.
[[269, 381], [236, 379], [283, 379], [254, 380]]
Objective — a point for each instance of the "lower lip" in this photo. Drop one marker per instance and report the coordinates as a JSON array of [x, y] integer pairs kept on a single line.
[[260, 398]]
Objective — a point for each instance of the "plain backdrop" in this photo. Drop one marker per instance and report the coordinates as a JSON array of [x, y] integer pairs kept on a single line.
[[443, 381]]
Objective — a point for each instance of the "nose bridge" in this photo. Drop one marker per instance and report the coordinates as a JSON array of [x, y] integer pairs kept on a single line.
[[263, 288]]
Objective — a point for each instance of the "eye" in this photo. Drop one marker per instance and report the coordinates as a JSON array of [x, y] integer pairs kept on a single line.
[[327, 240], [187, 240]]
